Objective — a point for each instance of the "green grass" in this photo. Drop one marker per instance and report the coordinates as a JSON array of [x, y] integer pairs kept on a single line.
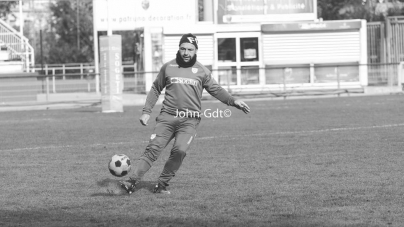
[[302, 162]]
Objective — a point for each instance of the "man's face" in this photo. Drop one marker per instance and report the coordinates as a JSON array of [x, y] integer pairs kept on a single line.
[[187, 51]]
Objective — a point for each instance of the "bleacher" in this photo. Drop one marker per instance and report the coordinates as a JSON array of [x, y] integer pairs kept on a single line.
[[17, 82]]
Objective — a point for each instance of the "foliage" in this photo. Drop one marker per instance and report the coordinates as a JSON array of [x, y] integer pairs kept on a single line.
[[61, 41], [5, 8], [70, 38], [357, 9]]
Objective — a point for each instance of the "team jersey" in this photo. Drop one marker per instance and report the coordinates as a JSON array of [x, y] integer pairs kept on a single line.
[[184, 87]]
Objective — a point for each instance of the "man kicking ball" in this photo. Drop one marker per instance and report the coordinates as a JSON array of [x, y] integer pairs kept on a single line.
[[184, 79]]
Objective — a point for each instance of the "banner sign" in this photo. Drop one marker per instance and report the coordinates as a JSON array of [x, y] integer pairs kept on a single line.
[[131, 14], [309, 26], [241, 11], [111, 73]]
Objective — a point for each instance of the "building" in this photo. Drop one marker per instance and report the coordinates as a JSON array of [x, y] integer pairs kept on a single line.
[[250, 45]]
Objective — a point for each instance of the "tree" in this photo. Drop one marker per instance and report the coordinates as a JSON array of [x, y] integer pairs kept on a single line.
[[5, 8], [70, 39], [358, 9]]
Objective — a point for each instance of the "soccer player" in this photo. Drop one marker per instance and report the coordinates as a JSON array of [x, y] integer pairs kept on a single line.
[[184, 79]]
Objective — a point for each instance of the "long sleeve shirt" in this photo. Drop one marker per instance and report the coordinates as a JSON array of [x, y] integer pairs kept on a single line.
[[184, 87]]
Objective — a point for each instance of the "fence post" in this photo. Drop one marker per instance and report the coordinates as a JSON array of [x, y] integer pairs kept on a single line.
[[390, 81], [338, 79], [47, 89], [81, 71], [53, 81], [284, 82], [312, 72], [64, 71], [229, 74], [401, 75], [89, 79]]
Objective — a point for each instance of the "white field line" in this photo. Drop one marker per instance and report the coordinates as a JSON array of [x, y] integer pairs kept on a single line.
[[306, 131], [214, 137]]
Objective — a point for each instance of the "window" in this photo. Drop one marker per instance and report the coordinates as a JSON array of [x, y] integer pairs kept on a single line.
[[226, 49], [238, 59], [249, 49]]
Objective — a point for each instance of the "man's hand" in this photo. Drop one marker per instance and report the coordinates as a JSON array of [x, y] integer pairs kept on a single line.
[[242, 106], [144, 119]]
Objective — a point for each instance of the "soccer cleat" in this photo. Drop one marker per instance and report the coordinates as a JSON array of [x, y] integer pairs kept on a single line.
[[161, 189], [129, 185]]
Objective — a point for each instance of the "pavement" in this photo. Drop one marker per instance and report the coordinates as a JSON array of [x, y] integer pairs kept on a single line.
[[82, 100]]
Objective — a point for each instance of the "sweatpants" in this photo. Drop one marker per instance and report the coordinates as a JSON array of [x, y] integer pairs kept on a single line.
[[168, 127]]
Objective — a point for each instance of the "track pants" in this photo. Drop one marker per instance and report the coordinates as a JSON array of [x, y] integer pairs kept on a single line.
[[168, 127]]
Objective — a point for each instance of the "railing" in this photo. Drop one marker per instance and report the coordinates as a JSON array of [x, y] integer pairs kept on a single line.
[[376, 42], [80, 77], [63, 76], [78, 80], [18, 46], [396, 38]]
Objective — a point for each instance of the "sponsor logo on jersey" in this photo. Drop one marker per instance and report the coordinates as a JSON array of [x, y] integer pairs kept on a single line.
[[173, 65], [181, 80], [194, 70]]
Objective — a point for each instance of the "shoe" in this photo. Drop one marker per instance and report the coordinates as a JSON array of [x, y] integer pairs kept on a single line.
[[161, 189], [129, 185]]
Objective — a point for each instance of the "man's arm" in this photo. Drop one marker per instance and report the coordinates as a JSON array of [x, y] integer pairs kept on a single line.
[[214, 89], [153, 95]]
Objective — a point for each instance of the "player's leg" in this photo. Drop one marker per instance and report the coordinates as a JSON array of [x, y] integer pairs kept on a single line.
[[163, 133], [183, 139]]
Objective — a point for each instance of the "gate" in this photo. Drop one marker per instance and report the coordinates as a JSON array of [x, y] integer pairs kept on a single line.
[[395, 39], [385, 50]]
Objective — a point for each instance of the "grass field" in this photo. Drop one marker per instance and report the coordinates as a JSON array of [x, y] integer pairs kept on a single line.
[[301, 162]]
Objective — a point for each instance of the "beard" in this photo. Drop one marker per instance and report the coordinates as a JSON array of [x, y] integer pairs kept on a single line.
[[184, 64]]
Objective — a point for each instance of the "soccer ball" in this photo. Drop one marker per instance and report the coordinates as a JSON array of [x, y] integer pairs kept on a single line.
[[119, 165]]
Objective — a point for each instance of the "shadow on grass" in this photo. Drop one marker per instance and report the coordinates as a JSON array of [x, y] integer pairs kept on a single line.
[[62, 216], [111, 187]]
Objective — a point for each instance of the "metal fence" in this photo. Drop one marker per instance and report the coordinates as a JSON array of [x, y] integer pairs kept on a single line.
[[70, 79], [385, 42], [395, 39], [384, 75], [81, 78]]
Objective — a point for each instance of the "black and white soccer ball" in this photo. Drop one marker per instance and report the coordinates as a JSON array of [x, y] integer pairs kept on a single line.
[[119, 165]]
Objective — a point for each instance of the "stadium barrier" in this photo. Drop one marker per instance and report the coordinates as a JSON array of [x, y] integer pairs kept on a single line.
[[77, 81]]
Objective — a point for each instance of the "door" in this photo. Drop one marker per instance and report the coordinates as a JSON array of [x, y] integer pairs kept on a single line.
[[238, 58]]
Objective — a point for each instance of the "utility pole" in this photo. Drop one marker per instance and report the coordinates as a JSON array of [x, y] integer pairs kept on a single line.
[[78, 24]]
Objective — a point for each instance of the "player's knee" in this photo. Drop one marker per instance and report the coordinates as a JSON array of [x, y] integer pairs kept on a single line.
[[152, 152], [181, 152]]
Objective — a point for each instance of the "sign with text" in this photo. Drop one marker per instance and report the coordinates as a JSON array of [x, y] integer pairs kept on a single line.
[[111, 73], [131, 14], [242, 11], [310, 26]]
